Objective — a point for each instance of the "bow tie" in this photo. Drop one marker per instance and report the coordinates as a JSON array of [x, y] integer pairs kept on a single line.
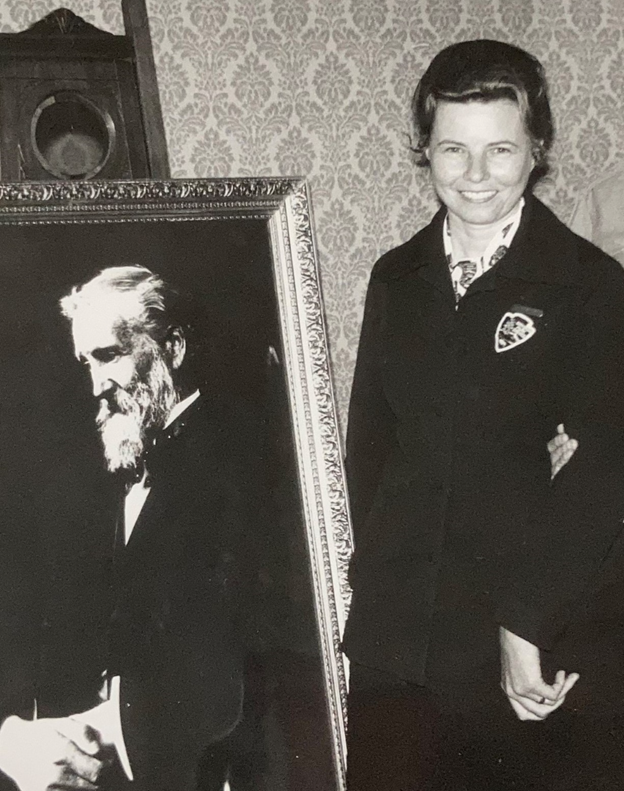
[[153, 456], [131, 475]]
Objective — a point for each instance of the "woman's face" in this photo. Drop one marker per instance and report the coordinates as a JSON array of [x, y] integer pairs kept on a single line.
[[480, 156]]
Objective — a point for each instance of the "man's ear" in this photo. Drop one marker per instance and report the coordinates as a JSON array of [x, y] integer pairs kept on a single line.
[[176, 346]]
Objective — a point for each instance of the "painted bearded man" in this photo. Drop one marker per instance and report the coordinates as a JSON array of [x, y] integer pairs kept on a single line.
[[170, 665]]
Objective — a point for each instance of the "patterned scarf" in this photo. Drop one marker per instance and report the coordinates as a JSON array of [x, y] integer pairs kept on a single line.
[[464, 272]]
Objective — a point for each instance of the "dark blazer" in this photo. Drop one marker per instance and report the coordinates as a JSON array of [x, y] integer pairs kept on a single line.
[[173, 637], [172, 616], [457, 526]]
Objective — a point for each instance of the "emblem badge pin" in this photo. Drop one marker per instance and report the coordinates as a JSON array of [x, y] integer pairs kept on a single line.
[[513, 329]]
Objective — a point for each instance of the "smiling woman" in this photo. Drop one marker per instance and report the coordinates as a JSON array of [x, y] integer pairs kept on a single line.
[[472, 572], [481, 160]]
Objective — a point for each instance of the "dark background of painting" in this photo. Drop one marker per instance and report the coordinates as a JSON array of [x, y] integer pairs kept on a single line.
[[54, 496]]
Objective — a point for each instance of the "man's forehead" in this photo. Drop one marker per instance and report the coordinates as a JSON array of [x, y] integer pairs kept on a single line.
[[99, 323]]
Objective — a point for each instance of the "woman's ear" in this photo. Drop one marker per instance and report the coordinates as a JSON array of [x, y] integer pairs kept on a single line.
[[536, 151], [176, 346]]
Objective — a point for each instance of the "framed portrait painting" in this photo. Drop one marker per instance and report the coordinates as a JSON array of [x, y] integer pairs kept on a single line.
[[185, 600]]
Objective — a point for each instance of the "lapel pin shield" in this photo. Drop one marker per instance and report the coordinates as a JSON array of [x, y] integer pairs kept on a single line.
[[513, 329]]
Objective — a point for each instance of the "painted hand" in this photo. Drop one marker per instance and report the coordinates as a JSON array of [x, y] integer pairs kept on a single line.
[[51, 754]]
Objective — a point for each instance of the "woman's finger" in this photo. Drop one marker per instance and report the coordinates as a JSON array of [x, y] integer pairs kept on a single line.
[[538, 691], [570, 681], [528, 708], [522, 713], [560, 679], [556, 442]]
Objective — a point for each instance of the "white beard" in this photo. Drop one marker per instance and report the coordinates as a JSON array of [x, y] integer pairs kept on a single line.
[[128, 419], [123, 441]]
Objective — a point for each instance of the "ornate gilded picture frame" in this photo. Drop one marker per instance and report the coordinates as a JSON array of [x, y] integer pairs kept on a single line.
[[245, 249]]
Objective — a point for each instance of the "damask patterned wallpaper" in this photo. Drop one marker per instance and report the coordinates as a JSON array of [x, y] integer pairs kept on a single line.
[[321, 88]]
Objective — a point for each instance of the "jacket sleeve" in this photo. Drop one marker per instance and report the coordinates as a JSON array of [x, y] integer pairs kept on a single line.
[[371, 424], [597, 215], [567, 549]]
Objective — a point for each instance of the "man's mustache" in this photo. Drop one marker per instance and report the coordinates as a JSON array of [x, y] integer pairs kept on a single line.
[[117, 401], [128, 415]]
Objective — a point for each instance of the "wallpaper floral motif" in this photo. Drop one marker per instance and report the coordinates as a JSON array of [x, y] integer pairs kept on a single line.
[[321, 88]]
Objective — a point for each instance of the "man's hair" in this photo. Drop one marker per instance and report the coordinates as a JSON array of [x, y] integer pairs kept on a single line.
[[156, 302], [485, 70]]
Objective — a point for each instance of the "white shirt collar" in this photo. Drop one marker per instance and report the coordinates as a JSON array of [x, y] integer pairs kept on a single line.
[[138, 492], [181, 406], [496, 248]]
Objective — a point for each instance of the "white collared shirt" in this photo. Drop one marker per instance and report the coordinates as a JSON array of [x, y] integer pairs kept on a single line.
[[496, 249], [137, 494]]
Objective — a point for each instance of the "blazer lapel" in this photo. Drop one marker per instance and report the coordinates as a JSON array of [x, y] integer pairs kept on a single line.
[[540, 252], [165, 463], [424, 255], [431, 263]]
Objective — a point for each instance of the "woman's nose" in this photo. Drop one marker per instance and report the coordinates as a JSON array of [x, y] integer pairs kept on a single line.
[[476, 168]]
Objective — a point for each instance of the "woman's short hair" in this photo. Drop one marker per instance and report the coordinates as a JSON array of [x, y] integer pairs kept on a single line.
[[486, 70]]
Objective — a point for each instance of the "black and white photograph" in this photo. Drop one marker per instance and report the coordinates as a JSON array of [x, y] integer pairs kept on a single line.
[[312, 395]]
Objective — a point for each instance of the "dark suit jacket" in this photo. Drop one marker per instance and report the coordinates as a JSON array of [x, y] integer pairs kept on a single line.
[[173, 636], [457, 527], [170, 614]]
